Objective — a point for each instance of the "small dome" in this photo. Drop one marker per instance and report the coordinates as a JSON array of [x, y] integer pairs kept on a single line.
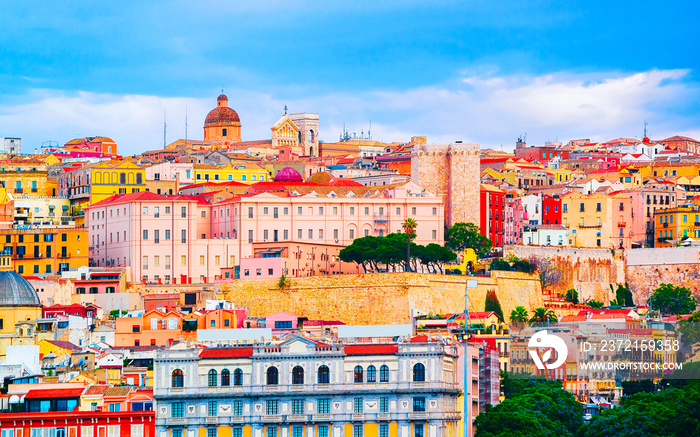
[[222, 98], [288, 174], [321, 178], [15, 291]]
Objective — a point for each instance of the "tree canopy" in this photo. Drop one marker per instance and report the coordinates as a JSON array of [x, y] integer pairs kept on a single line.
[[669, 299], [462, 236], [493, 304]]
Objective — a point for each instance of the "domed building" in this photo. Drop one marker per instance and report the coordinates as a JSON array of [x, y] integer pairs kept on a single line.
[[288, 174], [222, 123], [20, 307]]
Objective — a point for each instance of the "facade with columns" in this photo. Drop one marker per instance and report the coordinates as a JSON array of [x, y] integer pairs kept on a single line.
[[306, 388]]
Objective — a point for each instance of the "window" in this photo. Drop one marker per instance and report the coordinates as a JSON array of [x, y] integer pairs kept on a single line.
[[211, 408], [323, 375], [434, 211], [357, 430], [323, 406], [384, 373], [298, 375], [418, 430], [358, 374], [297, 431], [418, 404], [283, 324], [351, 234], [358, 404], [238, 377], [366, 210], [177, 379], [183, 211], [371, 374], [298, 406], [418, 373], [237, 431], [323, 431], [183, 235], [145, 210], [434, 235], [176, 410], [272, 376], [311, 234], [271, 430], [156, 236], [384, 405], [271, 407], [384, 430], [238, 407], [597, 207], [211, 432]]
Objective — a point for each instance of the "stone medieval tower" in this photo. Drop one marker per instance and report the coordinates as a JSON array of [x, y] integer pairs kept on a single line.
[[452, 172]]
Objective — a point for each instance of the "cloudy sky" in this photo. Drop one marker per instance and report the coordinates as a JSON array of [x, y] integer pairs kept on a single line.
[[474, 70]]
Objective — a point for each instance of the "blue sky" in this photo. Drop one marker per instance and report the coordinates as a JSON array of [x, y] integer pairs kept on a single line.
[[481, 71]]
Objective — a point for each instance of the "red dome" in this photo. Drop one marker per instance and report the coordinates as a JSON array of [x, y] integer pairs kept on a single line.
[[222, 115], [222, 98]]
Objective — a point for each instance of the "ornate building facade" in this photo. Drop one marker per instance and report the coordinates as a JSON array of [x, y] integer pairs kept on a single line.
[[307, 388]]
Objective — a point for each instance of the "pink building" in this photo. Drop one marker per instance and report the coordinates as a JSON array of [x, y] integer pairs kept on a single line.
[[184, 239], [644, 202], [516, 217]]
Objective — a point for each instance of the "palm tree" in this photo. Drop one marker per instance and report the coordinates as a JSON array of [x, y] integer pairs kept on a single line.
[[543, 315], [518, 315], [409, 227]]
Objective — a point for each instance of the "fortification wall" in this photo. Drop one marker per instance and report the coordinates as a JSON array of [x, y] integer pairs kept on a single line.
[[646, 269], [380, 298]]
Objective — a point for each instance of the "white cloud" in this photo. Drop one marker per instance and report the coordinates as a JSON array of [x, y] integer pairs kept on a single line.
[[486, 108]]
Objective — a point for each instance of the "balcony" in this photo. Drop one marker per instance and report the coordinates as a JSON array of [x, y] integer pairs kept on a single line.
[[272, 418], [358, 416], [590, 225], [322, 417], [297, 418], [697, 223], [381, 218], [621, 224]]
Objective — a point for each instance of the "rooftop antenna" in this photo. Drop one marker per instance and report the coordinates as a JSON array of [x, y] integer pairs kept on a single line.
[[165, 126], [369, 131], [186, 123], [645, 128]]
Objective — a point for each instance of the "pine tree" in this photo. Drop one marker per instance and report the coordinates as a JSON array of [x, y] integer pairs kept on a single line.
[[492, 304]]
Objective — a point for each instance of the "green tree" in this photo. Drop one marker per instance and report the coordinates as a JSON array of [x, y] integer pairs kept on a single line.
[[572, 296], [519, 316], [500, 264], [543, 316], [690, 329], [594, 304], [492, 304], [623, 295], [549, 273], [461, 236], [669, 299], [524, 266], [362, 251], [435, 256]]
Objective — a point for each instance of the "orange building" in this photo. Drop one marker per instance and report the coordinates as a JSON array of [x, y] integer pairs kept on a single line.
[[102, 145], [154, 328], [222, 123]]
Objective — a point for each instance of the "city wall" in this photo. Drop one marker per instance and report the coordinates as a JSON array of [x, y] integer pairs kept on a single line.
[[380, 298], [591, 271]]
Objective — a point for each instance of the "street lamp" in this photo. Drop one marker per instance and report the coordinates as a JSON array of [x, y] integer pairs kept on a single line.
[[471, 283]]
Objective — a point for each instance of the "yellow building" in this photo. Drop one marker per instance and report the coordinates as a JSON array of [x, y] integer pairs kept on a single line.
[[20, 307], [668, 169], [42, 211], [561, 175], [94, 182], [246, 173], [598, 219], [673, 225], [45, 250], [26, 177]]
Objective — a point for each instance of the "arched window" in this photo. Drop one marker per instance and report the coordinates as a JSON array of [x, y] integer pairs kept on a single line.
[[122, 178], [224, 132], [418, 373], [311, 136], [212, 378], [297, 375], [371, 374], [177, 379], [139, 178], [324, 375], [225, 377], [358, 374], [272, 376], [238, 377], [384, 373]]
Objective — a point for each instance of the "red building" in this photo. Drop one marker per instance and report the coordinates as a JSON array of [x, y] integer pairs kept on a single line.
[[539, 154], [682, 144], [66, 310], [492, 214], [551, 210]]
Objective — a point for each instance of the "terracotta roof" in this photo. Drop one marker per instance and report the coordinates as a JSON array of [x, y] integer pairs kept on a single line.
[[145, 196], [570, 318], [322, 323], [54, 393], [96, 390], [371, 349], [118, 391], [232, 352]]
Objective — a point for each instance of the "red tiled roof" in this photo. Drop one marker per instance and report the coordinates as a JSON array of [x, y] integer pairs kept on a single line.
[[637, 331], [231, 352], [54, 393], [371, 349], [570, 318], [144, 196], [322, 322]]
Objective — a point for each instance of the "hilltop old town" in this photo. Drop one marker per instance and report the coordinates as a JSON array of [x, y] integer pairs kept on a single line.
[[294, 287]]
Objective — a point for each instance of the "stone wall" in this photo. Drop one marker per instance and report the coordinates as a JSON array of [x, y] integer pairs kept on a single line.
[[591, 271], [380, 298]]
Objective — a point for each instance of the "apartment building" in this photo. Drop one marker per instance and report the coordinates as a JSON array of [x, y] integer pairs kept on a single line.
[[673, 226], [49, 250], [493, 216], [598, 219], [303, 387]]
